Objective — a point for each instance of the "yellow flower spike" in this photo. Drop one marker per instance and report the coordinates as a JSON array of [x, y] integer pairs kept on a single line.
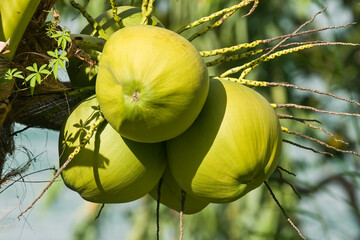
[[250, 83], [284, 129], [210, 27], [233, 57], [230, 49], [146, 8], [263, 58], [214, 15], [114, 13]]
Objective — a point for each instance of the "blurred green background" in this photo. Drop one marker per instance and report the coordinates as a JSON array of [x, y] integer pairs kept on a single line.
[[329, 187]]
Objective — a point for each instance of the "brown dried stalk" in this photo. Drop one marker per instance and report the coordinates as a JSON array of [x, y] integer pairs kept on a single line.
[[284, 84], [321, 142], [295, 32], [183, 197], [283, 210], [158, 209], [314, 109], [288, 183], [305, 121], [307, 148], [285, 170]]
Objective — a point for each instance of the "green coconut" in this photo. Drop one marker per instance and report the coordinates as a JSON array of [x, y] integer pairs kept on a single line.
[[232, 147], [110, 168], [152, 83], [172, 196]]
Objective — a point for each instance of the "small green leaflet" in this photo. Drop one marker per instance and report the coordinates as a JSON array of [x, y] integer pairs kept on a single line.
[[36, 75]]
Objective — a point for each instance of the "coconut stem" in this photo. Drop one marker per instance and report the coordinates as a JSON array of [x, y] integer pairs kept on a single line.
[[158, 209], [288, 183], [114, 12], [286, 171], [90, 19], [283, 210], [183, 197], [88, 42], [147, 7], [82, 144]]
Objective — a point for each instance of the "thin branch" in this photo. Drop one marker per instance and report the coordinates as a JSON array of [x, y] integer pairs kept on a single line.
[[285, 170], [306, 32], [314, 109], [283, 210], [158, 209], [19, 131], [307, 148], [288, 183], [321, 142], [100, 210], [305, 121], [295, 32], [297, 119], [328, 133], [22, 178], [183, 197], [256, 3], [284, 84]]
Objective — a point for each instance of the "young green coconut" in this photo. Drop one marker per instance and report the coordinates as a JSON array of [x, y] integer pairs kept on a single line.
[[172, 196], [232, 147], [152, 83], [110, 168]]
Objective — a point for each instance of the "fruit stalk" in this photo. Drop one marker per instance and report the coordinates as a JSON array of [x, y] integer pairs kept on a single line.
[[88, 42], [90, 19]]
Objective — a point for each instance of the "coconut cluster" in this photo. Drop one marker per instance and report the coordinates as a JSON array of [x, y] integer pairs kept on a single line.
[[170, 131]]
